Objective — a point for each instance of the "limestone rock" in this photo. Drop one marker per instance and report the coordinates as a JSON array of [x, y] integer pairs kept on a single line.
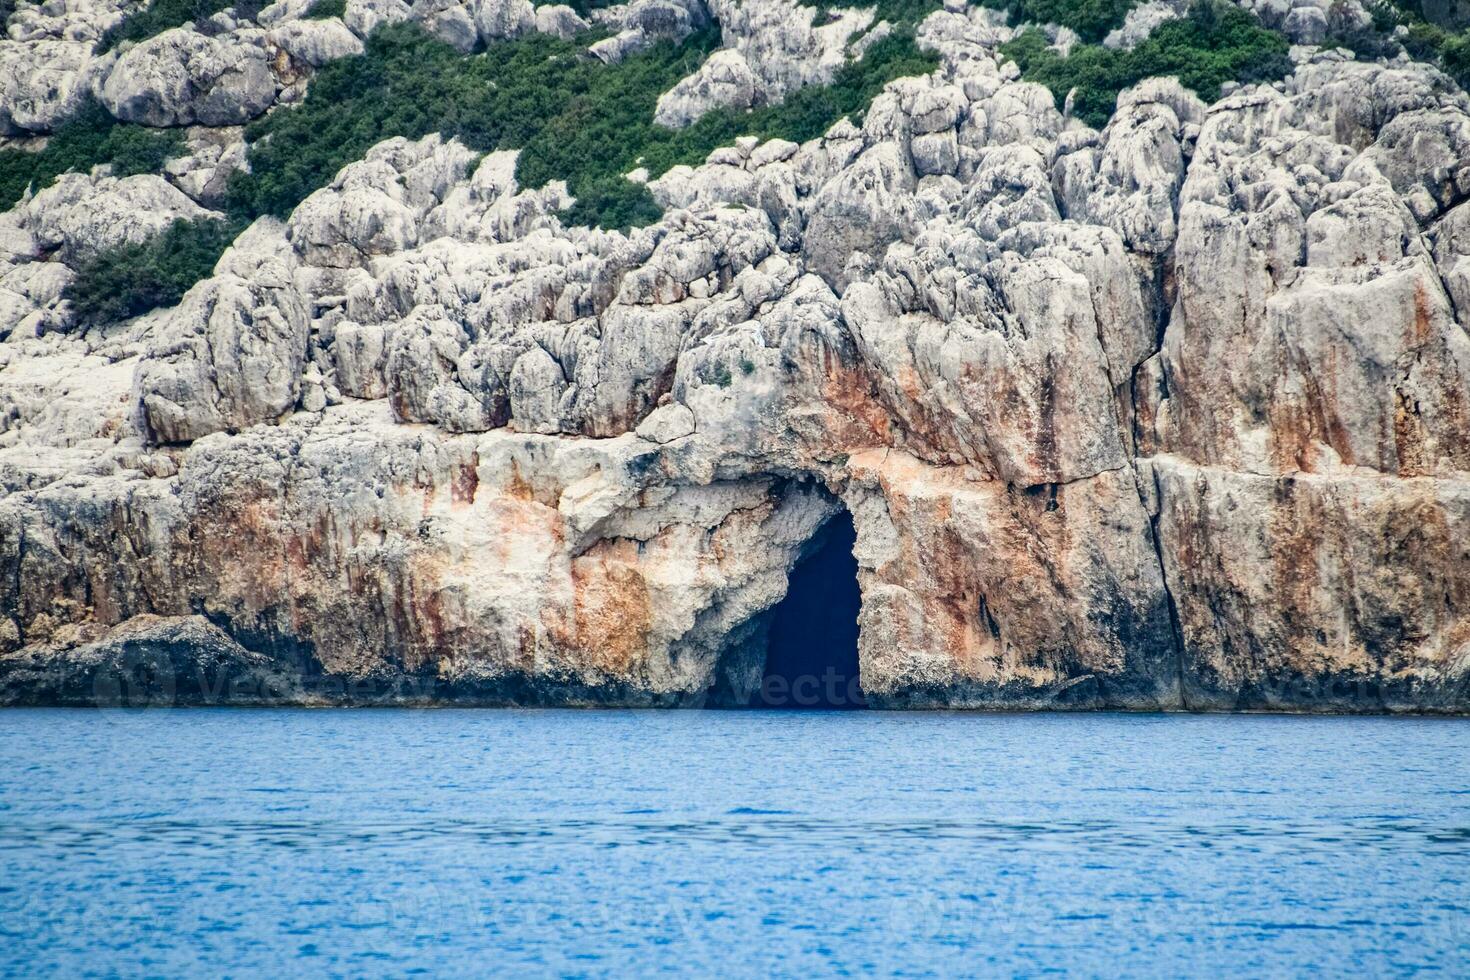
[[1323, 593], [214, 154], [667, 423], [497, 19], [1451, 241], [79, 216], [724, 80], [866, 207], [230, 355], [639, 24], [1339, 266], [315, 42], [1425, 154], [148, 661], [1141, 21], [1130, 179], [182, 77], [559, 19], [363, 17], [47, 61], [770, 48]]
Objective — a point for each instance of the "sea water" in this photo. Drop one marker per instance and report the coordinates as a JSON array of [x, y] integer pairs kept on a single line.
[[598, 843]]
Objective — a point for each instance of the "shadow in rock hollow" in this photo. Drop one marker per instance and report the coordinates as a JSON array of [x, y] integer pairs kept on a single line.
[[812, 654]]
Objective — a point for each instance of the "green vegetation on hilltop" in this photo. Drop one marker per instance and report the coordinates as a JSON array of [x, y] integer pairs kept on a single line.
[[592, 149], [409, 84], [1445, 47], [898, 12], [1091, 19], [326, 9], [92, 136], [574, 119], [1215, 43], [579, 120], [159, 16], [132, 279]]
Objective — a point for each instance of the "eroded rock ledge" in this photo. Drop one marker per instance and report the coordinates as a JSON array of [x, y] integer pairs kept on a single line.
[[1171, 415]]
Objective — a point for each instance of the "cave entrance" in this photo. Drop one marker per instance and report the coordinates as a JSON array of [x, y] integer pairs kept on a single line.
[[812, 653]]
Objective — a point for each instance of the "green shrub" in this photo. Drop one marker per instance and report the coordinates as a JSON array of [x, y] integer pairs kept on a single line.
[[133, 279], [159, 16], [1385, 16], [582, 7], [1423, 40], [612, 202], [90, 137], [139, 150], [7, 7], [1091, 19], [326, 9], [898, 12], [1214, 44], [1450, 51], [1454, 58]]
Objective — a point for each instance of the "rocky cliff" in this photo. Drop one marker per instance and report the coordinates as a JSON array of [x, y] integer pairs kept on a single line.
[[1174, 413]]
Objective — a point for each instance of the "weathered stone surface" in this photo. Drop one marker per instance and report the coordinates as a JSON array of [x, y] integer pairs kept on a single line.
[[182, 77], [231, 353], [315, 42], [46, 235], [47, 61], [977, 593], [147, 661], [638, 24], [1319, 593], [770, 48], [1129, 179], [81, 215], [1311, 327], [724, 80], [214, 154]]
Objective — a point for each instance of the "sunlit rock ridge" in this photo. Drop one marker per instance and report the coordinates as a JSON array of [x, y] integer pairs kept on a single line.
[[1174, 414]]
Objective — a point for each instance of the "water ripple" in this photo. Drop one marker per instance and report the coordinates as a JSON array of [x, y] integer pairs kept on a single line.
[[740, 826]]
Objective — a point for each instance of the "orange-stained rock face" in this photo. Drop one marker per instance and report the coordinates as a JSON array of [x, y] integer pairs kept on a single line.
[[1315, 591], [977, 592], [612, 614]]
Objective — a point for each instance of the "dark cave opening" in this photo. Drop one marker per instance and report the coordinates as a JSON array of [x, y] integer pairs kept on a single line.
[[812, 653]]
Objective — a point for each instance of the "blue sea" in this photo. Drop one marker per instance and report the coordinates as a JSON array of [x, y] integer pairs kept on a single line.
[[612, 843]]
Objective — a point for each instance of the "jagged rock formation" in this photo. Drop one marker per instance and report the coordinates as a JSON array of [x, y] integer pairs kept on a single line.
[[1167, 415]]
